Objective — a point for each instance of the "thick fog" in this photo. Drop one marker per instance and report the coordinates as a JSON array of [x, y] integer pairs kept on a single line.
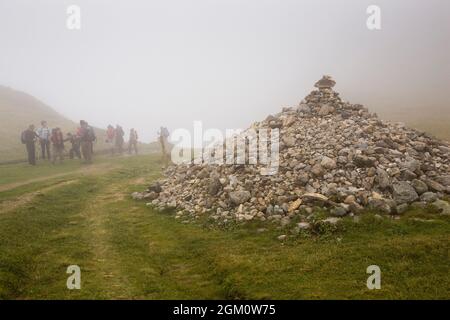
[[227, 63]]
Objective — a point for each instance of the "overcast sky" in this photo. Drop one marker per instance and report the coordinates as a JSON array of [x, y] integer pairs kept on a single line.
[[226, 62]]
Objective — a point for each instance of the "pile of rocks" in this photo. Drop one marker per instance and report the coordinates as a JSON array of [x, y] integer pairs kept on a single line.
[[332, 154]]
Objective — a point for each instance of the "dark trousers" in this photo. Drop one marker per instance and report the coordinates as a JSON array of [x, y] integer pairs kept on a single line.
[[132, 146], [45, 147], [119, 145], [86, 150], [31, 150]]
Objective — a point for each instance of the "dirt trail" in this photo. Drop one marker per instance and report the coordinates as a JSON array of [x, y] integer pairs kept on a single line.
[[106, 258], [12, 204], [98, 224], [88, 170], [118, 282]]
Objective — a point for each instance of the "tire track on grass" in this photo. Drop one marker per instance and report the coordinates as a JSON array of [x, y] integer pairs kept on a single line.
[[22, 200], [106, 260]]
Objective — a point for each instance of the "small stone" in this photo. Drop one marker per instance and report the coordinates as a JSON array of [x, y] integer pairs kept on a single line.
[[325, 83], [428, 197], [355, 208], [317, 170], [155, 187], [303, 225], [338, 211], [331, 220], [204, 173], [137, 196], [444, 180], [435, 186], [172, 204], [408, 175], [325, 110], [350, 199], [239, 197], [419, 186], [404, 193], [150, 195], [383, 179], [402, 208], [328, 163], [363, 161], [302, 179], [295, 205], [314, 197], [380, 204], [214, 186], [442, 206], [289, 141]]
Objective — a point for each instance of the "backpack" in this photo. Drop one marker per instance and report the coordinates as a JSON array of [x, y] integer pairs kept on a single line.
[[133, 135], [164, 132], [23, 137], [91, 134], [110, 134]]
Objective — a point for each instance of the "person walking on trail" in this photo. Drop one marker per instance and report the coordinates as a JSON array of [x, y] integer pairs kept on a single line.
[[119, 138], [28, 139], [163, 139], [87, 137], [57, 140], [75, 145], [110, 134], [44, 134], [132, 144]]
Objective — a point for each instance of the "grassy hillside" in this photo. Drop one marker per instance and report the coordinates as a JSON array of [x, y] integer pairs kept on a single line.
[[55, 216], [18, 110]]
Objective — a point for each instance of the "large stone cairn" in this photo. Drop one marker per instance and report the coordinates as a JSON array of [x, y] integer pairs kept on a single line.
[[333, 154]]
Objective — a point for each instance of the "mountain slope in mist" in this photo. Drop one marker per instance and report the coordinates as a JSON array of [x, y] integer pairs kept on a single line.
[[17, 111], [434, 120]]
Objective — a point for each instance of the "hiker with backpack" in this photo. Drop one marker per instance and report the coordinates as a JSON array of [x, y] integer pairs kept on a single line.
[[110, 134], [87, 137], [132, 144], [57, 140], [75, 145], [28, 138], [163, 139], [44, 134], [119, 133]]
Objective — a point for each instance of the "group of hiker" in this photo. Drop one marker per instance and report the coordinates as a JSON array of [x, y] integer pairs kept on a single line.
[[115, 140], [52, 141]]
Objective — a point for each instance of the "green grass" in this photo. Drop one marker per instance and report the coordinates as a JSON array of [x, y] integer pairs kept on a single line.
[[126, 250], [12, 173]]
